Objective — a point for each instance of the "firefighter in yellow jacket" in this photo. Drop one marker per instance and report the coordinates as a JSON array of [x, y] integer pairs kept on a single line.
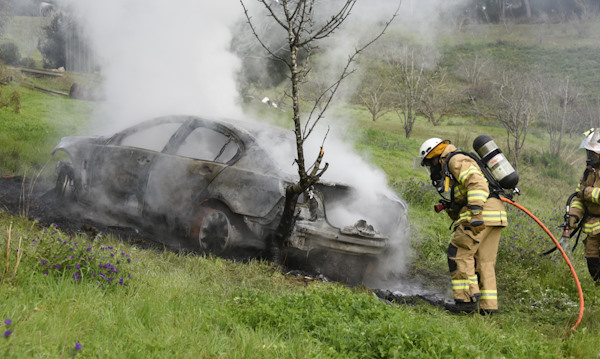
[[585, 206], [479, 219]]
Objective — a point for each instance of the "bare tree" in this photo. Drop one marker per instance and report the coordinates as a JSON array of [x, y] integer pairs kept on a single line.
[[375, 90], [472, 69], [438, 98], [557, 104], [298, 18], [410, 87], [514, 109]]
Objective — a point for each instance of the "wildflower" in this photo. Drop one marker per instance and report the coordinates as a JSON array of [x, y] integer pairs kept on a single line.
[[7, 321], [7, 333], [77, 346]]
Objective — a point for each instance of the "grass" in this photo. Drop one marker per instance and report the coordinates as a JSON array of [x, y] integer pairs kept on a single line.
[[42, 120], [191, 306]]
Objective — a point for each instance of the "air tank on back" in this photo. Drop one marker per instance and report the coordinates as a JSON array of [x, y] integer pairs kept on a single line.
[[495, 161]]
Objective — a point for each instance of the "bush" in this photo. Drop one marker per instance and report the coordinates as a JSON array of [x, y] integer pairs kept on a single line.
[[552, 166], [27, 62], [9, 53]]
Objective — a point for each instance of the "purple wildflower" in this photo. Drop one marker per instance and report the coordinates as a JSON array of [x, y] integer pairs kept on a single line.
[[7, 333], [8, 321], [77, 346]]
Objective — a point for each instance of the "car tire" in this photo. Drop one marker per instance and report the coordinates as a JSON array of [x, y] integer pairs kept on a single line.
[[65, 188], [214, 229]]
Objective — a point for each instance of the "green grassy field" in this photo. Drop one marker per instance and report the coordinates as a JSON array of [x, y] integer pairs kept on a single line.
[[189, 306], [115, 300]]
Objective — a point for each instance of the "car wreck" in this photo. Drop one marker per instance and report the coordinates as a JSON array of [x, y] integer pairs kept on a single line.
[[214, 186]]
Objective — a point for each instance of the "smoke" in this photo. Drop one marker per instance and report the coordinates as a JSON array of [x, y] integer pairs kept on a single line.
[[173, 57], [162, 57]]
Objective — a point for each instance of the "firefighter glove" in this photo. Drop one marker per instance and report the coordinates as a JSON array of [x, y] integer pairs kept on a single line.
[[581, 193], [477, 225], [453, 214], [573, 219]]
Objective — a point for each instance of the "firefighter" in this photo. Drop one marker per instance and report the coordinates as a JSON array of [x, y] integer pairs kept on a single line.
[[478, 221], [585, 206]]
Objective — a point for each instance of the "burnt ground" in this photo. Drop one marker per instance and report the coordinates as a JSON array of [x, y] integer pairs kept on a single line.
[[36, 200]]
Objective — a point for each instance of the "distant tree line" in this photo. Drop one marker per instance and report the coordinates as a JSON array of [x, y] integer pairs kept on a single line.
[[495, 11]]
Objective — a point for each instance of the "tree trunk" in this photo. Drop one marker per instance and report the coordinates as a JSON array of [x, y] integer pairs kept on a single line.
[[527, 6]]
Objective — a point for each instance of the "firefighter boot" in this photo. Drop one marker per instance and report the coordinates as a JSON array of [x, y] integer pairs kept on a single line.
[[460, 306], [594, 268]]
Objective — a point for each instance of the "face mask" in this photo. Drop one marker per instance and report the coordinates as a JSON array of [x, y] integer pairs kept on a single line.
[[436, 176], [592, 160]]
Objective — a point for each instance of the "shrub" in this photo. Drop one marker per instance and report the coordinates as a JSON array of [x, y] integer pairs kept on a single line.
[[9, 53], [27, 62]]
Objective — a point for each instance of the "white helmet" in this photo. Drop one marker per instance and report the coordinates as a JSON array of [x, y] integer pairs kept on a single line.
[[591, 141], [428, 146]]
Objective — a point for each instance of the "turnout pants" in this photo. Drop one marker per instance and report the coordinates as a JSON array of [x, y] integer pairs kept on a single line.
[[592, 255], [472, 262]]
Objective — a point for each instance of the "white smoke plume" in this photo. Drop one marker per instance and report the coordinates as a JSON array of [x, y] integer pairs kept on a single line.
[[163, 57]]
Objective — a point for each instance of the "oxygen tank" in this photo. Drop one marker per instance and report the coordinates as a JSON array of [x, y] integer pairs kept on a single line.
[[496, 162]]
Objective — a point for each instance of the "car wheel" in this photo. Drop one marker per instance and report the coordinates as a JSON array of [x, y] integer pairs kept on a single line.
[[213, 229], [65, 182]]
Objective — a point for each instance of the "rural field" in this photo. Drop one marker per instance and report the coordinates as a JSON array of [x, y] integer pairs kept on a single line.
[[133, 298]]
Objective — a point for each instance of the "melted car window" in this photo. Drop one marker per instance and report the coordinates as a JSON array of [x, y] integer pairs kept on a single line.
[[153, 138], [209, 145]]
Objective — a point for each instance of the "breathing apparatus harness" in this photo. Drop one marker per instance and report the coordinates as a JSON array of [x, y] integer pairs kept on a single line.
[[502, 193], [443, 184]]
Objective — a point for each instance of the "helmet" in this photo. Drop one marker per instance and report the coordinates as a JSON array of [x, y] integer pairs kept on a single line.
[[428, 146], [591, 142]]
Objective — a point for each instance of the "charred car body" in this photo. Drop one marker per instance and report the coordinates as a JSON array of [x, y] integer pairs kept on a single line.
[[211, 186]]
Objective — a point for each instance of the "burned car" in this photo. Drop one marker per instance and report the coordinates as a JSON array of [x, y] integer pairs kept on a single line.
[[214, 186]]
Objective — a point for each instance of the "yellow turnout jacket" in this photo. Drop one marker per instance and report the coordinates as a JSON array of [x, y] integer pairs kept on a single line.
[[471, 189]]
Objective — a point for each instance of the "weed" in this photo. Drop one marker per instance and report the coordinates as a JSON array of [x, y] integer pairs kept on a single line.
[[80, 259], [6, 271]]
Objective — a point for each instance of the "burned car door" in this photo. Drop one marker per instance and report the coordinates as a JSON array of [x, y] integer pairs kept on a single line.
[[120, 168], [178, 179]]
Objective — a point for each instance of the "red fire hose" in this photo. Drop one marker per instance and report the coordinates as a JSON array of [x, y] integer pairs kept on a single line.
[[581, 306]]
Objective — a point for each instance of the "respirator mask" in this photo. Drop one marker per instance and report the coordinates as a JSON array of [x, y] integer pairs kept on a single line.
[[592, 160]]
